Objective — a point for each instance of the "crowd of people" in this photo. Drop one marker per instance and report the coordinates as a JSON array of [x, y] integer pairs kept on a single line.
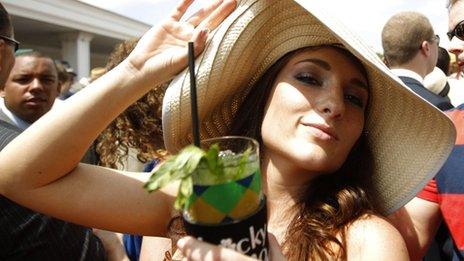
[[361, 158]]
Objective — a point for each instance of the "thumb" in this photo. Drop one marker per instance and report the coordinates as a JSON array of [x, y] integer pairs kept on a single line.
[[199, 38]]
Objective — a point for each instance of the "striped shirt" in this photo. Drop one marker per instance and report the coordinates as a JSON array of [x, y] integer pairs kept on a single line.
[[447, 189], [28, 235]]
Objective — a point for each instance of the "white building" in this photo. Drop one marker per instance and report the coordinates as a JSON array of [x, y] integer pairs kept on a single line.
[[70, 30]]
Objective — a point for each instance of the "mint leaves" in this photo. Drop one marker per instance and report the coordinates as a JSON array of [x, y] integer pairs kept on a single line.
[[194, 165], [180, 166]]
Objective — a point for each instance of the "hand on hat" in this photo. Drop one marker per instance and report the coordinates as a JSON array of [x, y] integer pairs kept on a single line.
[[162, 51]]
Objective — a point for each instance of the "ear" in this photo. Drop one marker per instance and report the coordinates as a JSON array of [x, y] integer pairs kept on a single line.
[[58, 88], [425, 48], [2, 92]]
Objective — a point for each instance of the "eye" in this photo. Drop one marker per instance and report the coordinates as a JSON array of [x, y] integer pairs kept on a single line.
[[357, 101], [22, 80], [307, 78], [48, 80]]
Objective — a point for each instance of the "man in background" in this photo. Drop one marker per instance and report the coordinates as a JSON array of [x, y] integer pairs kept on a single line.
[[410, 50], [66, 78], [28, 94], [443, 197], [30, 90]]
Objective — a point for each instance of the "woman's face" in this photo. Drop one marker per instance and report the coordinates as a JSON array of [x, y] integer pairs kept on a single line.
[[315, 112]]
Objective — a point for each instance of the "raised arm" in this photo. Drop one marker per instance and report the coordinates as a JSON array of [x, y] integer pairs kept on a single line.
[[40, 168]]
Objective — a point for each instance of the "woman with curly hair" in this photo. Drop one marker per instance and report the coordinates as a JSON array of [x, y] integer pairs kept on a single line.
[[138, 129]]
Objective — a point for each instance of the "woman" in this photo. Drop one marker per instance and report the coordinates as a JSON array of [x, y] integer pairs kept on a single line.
[[323, 110]]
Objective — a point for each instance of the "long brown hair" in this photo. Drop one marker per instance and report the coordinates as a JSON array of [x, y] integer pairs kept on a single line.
[[331, 202]]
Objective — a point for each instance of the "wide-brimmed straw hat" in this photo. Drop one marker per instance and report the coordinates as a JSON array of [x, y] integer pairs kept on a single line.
[[409, 139]]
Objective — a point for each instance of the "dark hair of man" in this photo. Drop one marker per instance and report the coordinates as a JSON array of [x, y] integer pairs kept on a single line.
[[31, 53], [5, 22], [36, 54], [443, 61], [403, 35]]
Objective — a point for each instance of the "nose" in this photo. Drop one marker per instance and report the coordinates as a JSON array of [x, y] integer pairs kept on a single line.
[[331, 103], [36, 85]]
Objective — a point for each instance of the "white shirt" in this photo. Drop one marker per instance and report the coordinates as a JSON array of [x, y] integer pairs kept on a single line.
[[17, 121], [456, 93], [408, 73]]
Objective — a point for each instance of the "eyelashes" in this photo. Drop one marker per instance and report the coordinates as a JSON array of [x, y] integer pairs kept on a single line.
[[311, 80], [355, 100], [307, 79]]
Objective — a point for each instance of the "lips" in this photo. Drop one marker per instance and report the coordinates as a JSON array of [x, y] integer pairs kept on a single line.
[[322, 131], [36, 100], [461, 63]]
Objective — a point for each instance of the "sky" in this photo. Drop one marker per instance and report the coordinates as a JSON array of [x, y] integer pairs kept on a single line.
[[365, 17]]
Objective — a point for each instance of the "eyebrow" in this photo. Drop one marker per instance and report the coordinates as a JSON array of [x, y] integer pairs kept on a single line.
[[358, 83], [326, 66]]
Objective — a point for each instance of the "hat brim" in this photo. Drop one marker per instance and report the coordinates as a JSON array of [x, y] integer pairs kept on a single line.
[[409, 138]]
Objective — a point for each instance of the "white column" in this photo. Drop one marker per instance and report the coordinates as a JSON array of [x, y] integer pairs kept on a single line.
[[75, 48]]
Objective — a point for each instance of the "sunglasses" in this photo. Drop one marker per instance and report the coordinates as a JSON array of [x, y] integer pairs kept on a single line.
[[458, 31], [11, 41]]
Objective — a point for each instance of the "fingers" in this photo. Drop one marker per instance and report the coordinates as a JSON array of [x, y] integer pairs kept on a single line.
[[196, 19], [193, 249], [218, 15], [215, 17], [197, 250], [180, 10]]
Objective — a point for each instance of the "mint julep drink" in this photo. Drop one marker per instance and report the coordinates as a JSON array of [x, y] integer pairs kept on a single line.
[[220, 195]]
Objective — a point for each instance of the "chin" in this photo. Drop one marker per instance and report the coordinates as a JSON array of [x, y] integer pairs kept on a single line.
[[316, 159]]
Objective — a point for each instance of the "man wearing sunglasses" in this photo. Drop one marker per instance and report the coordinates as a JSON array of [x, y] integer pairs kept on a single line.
[[442, 200], [456, 32], [411, 51]]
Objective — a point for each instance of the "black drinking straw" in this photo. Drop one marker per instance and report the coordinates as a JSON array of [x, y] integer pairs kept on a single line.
[[193, 95]]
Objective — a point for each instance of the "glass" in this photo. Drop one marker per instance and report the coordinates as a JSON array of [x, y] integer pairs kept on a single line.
[[229, 208], [11, 41], [458, 31]]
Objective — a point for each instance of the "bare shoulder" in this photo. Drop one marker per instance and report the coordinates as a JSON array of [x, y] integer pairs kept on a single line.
[[373, 237]]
